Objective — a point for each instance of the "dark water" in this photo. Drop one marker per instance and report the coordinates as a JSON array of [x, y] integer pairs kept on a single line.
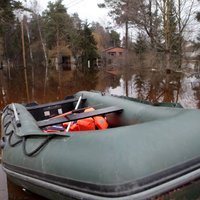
[[143, 84], [9, 190]]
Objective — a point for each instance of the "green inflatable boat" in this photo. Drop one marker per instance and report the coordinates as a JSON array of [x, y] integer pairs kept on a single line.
[[146, 150]]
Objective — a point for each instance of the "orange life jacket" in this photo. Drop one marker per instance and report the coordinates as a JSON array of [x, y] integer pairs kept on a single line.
[[100, 122], [88, 123], [73, 126], [81, 125]]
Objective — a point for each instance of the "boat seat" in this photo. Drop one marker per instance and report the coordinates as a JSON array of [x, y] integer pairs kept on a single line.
[[44, 111], [75, 116], [46, 105]]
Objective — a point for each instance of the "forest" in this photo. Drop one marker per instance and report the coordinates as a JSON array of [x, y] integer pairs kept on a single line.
[[161, 28]]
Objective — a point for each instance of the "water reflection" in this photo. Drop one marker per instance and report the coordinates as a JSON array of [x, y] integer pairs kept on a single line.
[[160, 87], [143, 84], [17, 193]]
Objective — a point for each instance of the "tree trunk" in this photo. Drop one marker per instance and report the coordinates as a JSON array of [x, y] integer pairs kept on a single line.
[[126, 36], [179, 36], [151, 24], [45, 54], [32, 61], [167, 34], [24, 60]]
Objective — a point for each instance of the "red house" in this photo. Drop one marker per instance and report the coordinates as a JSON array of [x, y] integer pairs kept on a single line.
[[111, 57]]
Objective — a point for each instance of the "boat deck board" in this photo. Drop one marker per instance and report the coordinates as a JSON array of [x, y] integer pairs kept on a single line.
[[74, 117], [71, 100]]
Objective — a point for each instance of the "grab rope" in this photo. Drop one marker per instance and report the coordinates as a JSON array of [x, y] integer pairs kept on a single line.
[[7, 114], [6, 127], [10, 134], [23, 139], [9, 140], [36, 150], [9, 109], [7, 124]]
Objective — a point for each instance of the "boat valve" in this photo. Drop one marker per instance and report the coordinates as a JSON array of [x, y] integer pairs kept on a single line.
[[2, 143]]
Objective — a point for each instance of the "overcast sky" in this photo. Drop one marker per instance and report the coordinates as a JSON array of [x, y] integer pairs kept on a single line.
[[86, 9]]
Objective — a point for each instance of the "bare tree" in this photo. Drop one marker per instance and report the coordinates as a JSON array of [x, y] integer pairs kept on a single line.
[[163, 21], [35, 14], [183, 14], [24, 60], [122, 12], [176, 15]]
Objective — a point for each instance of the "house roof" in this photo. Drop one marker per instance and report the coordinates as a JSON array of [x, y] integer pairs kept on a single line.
[[114, 49]]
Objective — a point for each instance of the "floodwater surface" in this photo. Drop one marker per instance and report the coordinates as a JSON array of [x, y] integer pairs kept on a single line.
[[143, 84]]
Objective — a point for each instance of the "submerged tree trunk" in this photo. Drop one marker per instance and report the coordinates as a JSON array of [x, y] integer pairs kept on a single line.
[[182, 20], [167, 32], [58, 64], [126, 36], [45, 54], [32, 61], [2, 88], [179, 36], [24, 60]]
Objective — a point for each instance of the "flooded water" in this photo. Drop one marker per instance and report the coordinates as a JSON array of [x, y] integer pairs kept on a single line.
[[143, 84]]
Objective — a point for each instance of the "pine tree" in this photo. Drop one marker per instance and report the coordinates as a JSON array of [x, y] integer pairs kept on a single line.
[[57, 23], [141, 44], [10, 30], [114, 39], [170, 31], [88, 46], [198, 37]]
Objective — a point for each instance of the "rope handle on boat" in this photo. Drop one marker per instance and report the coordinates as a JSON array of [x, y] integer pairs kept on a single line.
[[8, 123], [14, 111], [23, 140], [15, 143], [20, 139], [7, 108], [8, 113], [6, 127], [36, 150], [10, 134], [4, 116]]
